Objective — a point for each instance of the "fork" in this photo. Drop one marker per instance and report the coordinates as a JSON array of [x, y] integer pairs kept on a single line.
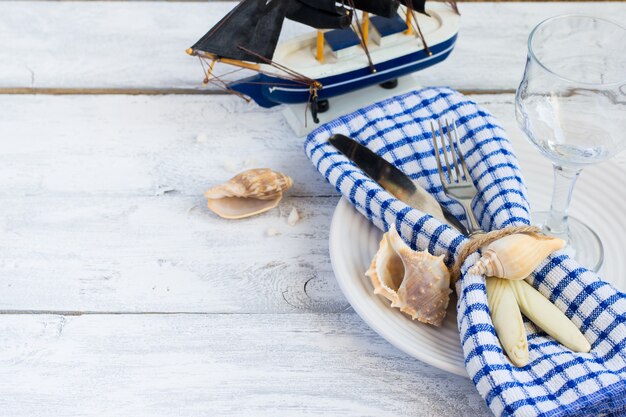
[[458, 185]]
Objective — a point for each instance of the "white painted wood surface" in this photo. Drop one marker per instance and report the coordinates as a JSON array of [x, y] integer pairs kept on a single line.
[[122, 295], [197, 365], [141, 45]]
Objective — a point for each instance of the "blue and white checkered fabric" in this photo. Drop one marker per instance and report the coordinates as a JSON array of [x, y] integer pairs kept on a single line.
[[556, 382]]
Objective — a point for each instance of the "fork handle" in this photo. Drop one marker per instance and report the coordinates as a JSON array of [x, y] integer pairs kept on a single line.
[[473, 225]]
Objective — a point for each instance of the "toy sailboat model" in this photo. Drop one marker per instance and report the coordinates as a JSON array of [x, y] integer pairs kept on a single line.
[[347, 52]]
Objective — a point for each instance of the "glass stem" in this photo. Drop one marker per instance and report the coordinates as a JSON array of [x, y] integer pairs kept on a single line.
[[564, 181]]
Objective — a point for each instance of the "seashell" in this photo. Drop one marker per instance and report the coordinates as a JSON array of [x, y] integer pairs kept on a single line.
[[509, 299], [507, 320], [386, 271], [272, 232], [231, 165], [259, 183], [515, 256], [248, 193], [548, 317], [293, 218], [417, 283]]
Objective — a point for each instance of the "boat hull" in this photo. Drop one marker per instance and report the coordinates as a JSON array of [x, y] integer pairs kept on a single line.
[[270, 91]]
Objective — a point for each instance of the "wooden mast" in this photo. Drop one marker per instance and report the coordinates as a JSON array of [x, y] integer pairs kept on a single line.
[[320, 46], [365, 27], [409, 17]]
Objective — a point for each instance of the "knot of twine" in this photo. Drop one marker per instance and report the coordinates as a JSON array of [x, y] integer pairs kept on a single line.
[[479, 240]]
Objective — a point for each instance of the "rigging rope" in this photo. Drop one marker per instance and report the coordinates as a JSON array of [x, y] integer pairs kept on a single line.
[[218, 82], [416, 27], [363, 43], [297, 76]]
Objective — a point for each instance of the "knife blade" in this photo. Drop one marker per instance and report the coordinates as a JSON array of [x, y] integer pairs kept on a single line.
[[394, 181]]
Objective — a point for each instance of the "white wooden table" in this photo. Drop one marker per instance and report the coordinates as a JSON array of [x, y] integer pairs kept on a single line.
[[121, 294]]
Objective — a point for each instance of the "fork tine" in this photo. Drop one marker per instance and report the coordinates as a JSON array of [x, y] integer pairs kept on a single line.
[[454, 152], [461, 156], [445, 153], [437, 157]]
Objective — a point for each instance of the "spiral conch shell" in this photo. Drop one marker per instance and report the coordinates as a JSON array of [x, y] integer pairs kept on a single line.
[[248, 193], [417, 283], [516, 256]]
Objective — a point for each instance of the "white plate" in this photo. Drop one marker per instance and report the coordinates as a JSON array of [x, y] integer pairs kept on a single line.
[[599, 201]]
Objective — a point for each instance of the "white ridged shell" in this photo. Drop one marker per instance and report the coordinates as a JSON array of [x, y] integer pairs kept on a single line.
[[507, 320], [509, 299], [417, 283], [548, 317]]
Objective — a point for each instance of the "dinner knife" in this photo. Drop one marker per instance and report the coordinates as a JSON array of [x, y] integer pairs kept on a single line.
[[394, 181]]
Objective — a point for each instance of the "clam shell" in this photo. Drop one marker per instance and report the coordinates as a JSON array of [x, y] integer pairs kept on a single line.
[[248, 193], [258, 183], [239, 207], [417, 283], [515, 256]]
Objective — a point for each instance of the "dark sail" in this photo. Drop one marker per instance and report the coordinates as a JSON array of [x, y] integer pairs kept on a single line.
[[325, 5], [417, 5], [253, 24], [384, 8], [322, 14]]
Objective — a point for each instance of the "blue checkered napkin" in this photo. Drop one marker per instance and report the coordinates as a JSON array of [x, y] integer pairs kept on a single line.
[[556, 382]]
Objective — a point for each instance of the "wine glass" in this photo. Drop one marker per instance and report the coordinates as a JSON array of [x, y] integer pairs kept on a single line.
[[571, 104]]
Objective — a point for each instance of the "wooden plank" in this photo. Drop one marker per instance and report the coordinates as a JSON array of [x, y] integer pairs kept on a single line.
[[226, 365], [163, 254], [149, 145], [143, 145], [139, 46]]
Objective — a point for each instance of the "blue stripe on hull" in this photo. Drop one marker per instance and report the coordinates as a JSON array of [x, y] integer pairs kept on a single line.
[[268, 91]]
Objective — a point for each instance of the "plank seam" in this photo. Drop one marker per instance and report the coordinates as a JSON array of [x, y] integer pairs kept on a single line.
[[347, 310], [167, 91]]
